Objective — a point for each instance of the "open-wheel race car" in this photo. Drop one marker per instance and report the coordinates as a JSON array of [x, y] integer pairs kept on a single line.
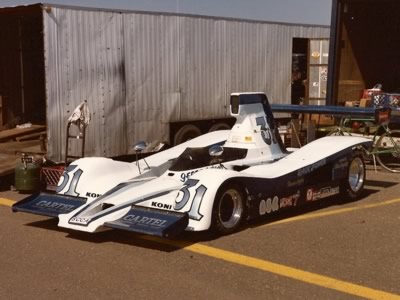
[[214, 182]]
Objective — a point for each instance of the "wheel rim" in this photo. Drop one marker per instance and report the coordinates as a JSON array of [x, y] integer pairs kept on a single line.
[[230, 208], [388, 151], [356, 174]]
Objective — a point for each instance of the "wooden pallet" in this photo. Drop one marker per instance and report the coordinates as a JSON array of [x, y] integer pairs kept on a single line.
[[13, 134]]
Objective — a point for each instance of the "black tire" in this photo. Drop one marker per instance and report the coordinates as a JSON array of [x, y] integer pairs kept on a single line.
[[353, 185], [389, 146], [228, 210], [219, 126], [186, 133]]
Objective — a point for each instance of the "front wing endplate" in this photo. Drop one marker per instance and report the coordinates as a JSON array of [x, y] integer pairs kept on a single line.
[[50, 205], [152, 221]]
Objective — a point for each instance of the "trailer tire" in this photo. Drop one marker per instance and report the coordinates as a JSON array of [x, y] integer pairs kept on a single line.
[[219, 126], [186, 133]]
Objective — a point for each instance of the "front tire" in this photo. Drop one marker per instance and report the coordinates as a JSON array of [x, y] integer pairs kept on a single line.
[[228, 210], [353, 185]]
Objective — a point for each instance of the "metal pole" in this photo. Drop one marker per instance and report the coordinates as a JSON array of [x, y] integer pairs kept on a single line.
[[21, 61]]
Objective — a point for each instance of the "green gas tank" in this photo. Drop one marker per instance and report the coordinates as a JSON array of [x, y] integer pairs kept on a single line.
[[27, 175]]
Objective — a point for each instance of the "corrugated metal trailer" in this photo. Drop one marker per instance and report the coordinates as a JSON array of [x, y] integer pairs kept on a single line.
[[144, 75]]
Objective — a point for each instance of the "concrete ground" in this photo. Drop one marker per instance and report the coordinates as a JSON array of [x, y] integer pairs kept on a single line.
[[336, 250]]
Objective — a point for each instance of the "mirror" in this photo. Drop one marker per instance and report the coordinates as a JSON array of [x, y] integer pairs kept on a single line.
[[140, 146], [216, 151]]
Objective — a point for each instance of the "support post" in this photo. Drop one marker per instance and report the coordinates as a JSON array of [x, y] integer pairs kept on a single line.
[[295, 130], [1, 113]]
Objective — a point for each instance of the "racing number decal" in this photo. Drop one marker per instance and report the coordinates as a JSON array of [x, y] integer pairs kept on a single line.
[[74, 181], [265, 132], [194, 212]]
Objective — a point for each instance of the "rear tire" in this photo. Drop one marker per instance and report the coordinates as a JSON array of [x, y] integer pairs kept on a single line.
[[228, 210], [353, 185]]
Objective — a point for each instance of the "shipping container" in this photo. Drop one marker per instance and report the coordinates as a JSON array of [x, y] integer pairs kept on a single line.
[[145, 76], [364, 49]]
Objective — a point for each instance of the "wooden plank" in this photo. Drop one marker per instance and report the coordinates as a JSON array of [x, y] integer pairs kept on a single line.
[[31, 136], [8, 163], [21, 147], [10, 134]]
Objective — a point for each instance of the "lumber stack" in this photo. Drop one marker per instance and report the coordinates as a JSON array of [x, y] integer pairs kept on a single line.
[[29, 139]]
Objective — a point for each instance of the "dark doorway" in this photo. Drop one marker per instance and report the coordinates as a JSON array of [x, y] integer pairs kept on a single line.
[[299, 70], [22, 77]]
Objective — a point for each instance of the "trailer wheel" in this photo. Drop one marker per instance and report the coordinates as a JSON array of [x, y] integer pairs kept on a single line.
[[353, 185], [219, 126], [228, 210], [186, 133]]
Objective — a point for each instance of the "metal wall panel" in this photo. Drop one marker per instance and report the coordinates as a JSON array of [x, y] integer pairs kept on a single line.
[[202, 74], [140, 71], [151, 80], [84, 61]]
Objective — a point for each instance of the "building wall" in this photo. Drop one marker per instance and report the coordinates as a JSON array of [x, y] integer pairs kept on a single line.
[[140, 71]]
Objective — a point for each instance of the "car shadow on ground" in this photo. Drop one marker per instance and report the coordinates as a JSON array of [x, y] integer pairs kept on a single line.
[[109, 235], [372, 187]]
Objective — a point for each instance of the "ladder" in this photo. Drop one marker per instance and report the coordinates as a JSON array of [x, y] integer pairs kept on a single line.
[[79, 136]]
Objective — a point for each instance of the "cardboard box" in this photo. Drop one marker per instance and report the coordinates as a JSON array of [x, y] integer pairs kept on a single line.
[[365, 102], [352, 103], [369, 92]]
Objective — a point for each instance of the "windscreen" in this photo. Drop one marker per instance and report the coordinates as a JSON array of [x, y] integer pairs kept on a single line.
[[195, 158]]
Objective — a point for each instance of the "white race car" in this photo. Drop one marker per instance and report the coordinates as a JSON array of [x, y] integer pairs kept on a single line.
[[216, 181]]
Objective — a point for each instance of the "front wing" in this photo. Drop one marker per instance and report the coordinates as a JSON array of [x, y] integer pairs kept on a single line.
[[152, 221], [48, 204]]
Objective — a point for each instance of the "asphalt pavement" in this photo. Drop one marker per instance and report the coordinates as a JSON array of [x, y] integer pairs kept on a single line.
[[336, 250]]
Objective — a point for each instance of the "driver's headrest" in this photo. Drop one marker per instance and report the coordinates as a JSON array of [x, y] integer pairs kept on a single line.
[[241, 101]]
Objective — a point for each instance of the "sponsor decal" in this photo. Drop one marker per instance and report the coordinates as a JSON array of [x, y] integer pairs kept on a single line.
[[268, 206], [308, 169], [289, 201], [55, 205], [141, 220], [92, 195], [296, 182], [79, 220], [187, 175], [322, 193], [161, 205]]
